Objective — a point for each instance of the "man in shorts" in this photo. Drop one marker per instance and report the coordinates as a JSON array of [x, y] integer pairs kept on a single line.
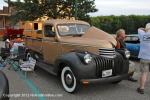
[[144, 55]]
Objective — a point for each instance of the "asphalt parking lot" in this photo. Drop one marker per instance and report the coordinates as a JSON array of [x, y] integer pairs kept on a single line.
[[41, 82]]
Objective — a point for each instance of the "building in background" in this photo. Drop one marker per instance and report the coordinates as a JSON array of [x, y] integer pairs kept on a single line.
[[4, 19]]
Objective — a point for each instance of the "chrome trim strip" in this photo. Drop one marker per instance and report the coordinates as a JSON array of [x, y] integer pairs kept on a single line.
[[107, 52]]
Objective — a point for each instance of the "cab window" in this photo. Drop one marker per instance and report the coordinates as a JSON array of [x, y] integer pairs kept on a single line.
[[49, 31], [35, 26], [38, 28]]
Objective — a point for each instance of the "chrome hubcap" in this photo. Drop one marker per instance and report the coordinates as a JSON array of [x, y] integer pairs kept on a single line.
[[68, 79]]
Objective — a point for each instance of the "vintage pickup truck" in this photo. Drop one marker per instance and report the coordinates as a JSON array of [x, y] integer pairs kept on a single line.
[[76, 52]]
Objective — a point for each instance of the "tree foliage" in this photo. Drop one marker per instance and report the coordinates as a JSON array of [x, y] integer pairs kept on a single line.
[[33, 9], [111, 24]]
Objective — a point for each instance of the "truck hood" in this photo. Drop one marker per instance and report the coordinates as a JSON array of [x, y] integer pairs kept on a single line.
[[95, 33], [86, 42], [93, 37]]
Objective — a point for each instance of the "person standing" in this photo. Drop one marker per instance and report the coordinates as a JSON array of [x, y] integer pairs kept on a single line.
[[120, 37], [144, 55]]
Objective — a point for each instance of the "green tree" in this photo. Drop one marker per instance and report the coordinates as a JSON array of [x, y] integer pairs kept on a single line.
[[111, 24], [33, 9]]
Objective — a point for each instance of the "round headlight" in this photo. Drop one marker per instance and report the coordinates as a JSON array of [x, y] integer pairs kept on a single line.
[[127, 54], [87, 58]]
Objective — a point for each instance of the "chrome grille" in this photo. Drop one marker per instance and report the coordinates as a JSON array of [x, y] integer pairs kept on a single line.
[[103, 63], [108, 53]]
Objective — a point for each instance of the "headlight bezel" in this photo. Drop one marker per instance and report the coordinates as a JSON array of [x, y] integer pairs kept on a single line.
[[85, 57], [127, 53], [124, 52]]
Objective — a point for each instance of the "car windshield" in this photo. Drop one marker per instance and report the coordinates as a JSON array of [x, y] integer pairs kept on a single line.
[[72, 29], [133, 39]]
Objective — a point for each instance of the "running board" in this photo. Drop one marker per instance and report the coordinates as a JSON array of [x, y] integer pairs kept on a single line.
[[46, 67]]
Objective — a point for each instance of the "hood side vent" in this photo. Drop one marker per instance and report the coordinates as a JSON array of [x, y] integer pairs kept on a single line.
[[108, 53]]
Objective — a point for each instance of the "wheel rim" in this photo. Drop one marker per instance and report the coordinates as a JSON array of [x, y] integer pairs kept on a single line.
[[68, 79]]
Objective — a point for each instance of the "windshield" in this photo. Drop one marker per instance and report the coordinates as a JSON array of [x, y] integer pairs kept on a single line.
[[132, 39], [72, 29]]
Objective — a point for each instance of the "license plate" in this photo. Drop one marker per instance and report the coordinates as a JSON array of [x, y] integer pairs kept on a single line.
[[106, 73]]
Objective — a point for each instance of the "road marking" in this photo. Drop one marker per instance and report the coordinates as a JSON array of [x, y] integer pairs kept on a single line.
[[31, 85]]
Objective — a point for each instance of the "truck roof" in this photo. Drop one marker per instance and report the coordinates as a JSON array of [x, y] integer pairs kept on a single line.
[[63, 21]]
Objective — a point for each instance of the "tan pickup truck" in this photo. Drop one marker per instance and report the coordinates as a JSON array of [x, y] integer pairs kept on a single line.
[[76, 52]]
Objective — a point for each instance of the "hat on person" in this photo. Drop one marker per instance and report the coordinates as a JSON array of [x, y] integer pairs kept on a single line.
[[147, 27]]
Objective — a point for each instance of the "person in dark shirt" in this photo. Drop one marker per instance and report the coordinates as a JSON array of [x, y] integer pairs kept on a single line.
[[120, 37]]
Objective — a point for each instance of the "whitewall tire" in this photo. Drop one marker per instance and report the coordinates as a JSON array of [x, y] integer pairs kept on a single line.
[[68, 80]]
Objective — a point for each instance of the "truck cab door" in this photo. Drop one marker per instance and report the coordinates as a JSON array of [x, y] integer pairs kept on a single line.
[[50, 45]]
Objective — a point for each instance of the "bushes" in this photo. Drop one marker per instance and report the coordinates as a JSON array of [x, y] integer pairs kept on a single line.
[[111, 24]]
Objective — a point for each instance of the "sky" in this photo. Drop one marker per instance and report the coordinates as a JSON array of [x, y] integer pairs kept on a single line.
[[2, 3], [122, 7], [116, 7]]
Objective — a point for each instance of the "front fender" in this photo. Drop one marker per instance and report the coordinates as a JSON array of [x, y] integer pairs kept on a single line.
[[80, 70]]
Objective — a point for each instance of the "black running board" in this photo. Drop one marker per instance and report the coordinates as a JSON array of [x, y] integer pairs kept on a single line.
[[46, 67]]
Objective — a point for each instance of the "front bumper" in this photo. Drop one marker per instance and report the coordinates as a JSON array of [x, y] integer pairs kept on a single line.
[[105, 80]]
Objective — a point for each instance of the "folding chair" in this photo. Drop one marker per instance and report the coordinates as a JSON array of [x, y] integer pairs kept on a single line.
[[28, 66], [15, 59], [4, 53], [21, 55], [25, 64]]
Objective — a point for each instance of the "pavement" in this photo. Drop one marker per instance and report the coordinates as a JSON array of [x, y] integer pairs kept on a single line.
[[41, 82]]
